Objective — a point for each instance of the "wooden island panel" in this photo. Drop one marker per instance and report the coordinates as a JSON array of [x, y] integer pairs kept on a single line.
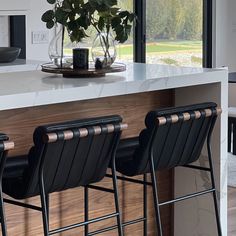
[[67, 207]]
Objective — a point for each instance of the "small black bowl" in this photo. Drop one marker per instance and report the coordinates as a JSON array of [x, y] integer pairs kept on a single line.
[[9, 54]]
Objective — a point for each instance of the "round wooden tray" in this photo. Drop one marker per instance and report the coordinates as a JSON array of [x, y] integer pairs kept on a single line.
[[81, 73]]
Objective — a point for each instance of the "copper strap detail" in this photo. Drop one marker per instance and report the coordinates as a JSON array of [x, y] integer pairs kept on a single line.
[[51, 138], [83, 132], [187, 116], [97, 130], [174, 118], [218, 110], [110, 128], [197, 114], [68, 134], [123, 126], [8, 145]]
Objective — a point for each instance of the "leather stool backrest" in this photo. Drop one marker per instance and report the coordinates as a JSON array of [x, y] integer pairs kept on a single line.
[[72, 154], [175, 135]]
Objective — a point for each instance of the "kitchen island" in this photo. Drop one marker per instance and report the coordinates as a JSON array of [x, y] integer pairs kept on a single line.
[[28, 99]]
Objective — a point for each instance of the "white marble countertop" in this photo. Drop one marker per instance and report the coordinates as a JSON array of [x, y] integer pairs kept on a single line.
[[34, 88], [20, 65]]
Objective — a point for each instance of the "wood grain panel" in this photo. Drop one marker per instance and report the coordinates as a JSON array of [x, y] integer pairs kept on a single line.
[[67, 207]]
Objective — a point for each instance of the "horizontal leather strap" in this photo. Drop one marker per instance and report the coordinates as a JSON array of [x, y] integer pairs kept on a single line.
[[175, 118], [84, 132]]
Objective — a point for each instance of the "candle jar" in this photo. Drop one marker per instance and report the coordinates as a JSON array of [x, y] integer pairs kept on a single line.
[[81, 58]]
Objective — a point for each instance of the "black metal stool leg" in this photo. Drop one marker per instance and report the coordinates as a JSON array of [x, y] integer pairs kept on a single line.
[[155, 197], [229, 135], [234, 138], [214, 187], [86, 210], [116, 196], [47, 204], [145, 205], [217, 214], [2, 215], [44, 207]]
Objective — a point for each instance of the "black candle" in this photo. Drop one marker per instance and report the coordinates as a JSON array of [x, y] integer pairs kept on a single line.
[[80, 58]]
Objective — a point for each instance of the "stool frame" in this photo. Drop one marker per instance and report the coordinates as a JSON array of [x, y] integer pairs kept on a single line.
[[44, 196], [232, 129], [5, 146], [154, 180]]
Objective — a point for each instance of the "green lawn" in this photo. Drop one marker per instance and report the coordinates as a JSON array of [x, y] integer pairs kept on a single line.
[[164, 47], [161, 47]]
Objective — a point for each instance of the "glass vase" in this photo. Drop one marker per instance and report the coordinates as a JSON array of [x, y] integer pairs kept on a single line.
[[56, 49], [103, 50]]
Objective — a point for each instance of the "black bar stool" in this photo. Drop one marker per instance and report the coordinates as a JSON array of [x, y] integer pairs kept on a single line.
[[64, 156], [173, 137], [5, 146]]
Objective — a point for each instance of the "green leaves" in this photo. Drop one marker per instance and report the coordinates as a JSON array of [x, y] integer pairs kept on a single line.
[[102, 5], [101, 23], [48, 16], [50, 24], [78, 15], [61, 16]]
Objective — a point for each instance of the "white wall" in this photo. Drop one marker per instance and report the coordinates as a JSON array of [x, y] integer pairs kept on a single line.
[[231, 35], [231, 47], [34, 23], [4, 31], [225, 40], [220, 33]]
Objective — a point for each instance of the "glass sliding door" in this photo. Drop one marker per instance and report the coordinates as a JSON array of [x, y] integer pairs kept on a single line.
[[171, 32], [174, 32]]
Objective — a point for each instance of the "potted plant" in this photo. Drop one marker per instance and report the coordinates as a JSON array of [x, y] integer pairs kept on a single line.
[[103, 15]]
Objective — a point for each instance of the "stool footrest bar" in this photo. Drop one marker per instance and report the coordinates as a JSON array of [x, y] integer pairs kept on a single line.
[[187, 197], [21, 204], [69, 227], [103, 230], [131, 180], [101, 188], [197, 167], [134, 221], [115, 226]]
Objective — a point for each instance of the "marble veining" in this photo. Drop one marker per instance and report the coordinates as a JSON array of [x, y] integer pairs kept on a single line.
[[20, 65]]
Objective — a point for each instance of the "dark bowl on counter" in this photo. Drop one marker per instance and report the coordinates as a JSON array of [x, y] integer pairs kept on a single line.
[[9, 54]]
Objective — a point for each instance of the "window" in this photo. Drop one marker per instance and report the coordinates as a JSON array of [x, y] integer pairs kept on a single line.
[[174, 32]]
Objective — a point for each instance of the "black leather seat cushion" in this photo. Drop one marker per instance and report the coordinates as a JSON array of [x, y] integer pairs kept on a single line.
[[15, 166], [13, 174], [126, 153], [126, 148]]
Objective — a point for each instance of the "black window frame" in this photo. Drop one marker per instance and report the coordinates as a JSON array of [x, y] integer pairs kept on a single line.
[[18, 33], [140, 32]]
